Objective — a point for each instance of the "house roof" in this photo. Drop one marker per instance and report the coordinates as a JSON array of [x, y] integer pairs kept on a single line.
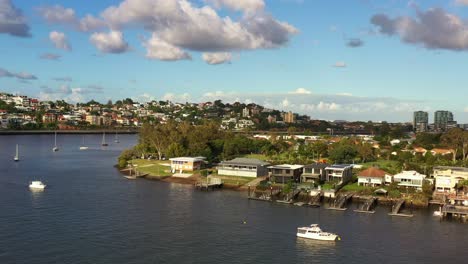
[[373, 172], [188, 159], [441, 151], [317, 165], [245, 161], [339, 166], [286, 166]]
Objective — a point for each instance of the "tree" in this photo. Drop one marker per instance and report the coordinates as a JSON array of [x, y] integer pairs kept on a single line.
[[342, 153], [365, 152], [454, 139]]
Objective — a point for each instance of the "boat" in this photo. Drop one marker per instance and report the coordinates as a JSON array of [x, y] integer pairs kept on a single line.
[[437, 213], [116, 140], [83, 147], [55, 148], [37, 185], [16, 158], [104, 144], [314, 232]]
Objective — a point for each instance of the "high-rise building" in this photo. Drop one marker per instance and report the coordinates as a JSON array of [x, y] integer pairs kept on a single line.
[[289, 117], [442, 119], [420, 121]]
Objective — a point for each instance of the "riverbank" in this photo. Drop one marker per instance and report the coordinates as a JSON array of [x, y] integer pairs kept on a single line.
[[68, 132]]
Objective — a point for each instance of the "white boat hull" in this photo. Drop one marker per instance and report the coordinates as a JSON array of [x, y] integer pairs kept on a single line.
[[37, 187], [319, 237], [83, 148]]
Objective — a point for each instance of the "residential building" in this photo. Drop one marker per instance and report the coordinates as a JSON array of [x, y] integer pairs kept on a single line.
[[339, 172], [410, 179], [442, 119], [314, 172], [441, 151], [49, 118], [189, 164], [243, 167], [271, 119], [285, 173], [289, 118], [446, 178], [420, 121], [93, 120], [246, 112], [374, 177]]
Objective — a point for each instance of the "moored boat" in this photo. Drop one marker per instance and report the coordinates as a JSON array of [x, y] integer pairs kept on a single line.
[[37, 185]]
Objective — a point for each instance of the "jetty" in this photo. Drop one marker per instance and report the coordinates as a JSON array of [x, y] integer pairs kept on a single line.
[[396, 209], [454, 212], [367, 206], [289, 198], [263, 195], [340, 202], [210, 184]]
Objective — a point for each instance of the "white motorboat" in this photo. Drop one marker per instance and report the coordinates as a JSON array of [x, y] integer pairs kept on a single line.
[[314, 232], [55, 148], [104, 144], [83, 147], [37, 185], [16, 158]]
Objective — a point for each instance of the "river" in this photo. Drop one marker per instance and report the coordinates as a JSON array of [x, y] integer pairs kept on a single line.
[[89, 213]]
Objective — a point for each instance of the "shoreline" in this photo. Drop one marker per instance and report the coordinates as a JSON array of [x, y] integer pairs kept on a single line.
[[67, 132]]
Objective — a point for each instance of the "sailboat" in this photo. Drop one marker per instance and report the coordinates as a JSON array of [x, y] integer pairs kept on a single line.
[[83, 147], [16, 158], [104, 144], [55, 148], [116, 140]]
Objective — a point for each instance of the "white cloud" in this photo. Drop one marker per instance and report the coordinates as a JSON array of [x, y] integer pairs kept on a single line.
[[301, 91], [158, 49], [239, 5], [217, 57], [90, 23], [179, 98], [112, 42], [59, 40], [340, 64], [63, 79], [50, 56], [185, 26], [58, 14], [67, 93], [433, 29], [12, 21]]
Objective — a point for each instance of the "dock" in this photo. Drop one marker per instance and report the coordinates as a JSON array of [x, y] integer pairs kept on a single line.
[[396, 208], [210, 184], [340, 202], [367, 207], [454, 212], [289, 198]]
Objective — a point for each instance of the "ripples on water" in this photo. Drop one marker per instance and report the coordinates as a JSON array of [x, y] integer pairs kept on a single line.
[[90, 214]]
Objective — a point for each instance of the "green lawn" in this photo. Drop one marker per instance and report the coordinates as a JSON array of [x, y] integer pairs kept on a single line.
[[354, 187], [233, 180], [327, 186], [256, 156], [160, 168]]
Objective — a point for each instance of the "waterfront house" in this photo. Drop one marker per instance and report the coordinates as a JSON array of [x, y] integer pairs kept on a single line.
[[446, 178], [410, 179], [339, 172], [314, 172], [374, 177], [284, 173], [243, 167], [187, 164]]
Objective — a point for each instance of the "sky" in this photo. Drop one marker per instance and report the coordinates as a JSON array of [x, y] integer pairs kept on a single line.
[[330, 59]]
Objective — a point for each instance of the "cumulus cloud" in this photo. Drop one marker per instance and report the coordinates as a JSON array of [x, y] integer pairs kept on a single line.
[[355, 43], [58, 14], [185, 26], [433, 29], [185, 97], [215, 58], [60, 40], [340, 64], [301, 91], [158, 49], [50, 56], [67, 93], [12, 21], [17, 75], [245, 5], [112, 42]]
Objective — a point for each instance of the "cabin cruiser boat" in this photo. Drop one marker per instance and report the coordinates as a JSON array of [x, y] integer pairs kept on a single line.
[[314, 232]]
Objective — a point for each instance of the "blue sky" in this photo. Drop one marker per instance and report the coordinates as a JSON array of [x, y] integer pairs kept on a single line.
[[331, 59]]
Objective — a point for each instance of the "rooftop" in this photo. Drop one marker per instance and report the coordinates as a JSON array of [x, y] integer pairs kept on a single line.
[[317, 165], [339, 166], [245, 161], [373, 172], [188, 159], [286, 166]]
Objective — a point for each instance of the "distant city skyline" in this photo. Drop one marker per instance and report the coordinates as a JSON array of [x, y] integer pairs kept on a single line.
[[352, 60]]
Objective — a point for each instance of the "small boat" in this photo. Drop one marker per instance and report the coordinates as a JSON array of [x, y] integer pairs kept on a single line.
[[116, 140], [37, 185], [16, 158], [314, 232], [437, 213], [104, 144], [55, 148], [83, 147]]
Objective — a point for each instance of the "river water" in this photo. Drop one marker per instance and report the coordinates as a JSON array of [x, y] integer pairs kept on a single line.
[[89, 213]]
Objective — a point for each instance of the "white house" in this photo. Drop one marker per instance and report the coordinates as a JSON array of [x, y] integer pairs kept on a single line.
[[243, 167], [374, 177], [446, 178], [182, 164], [410, 179]]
